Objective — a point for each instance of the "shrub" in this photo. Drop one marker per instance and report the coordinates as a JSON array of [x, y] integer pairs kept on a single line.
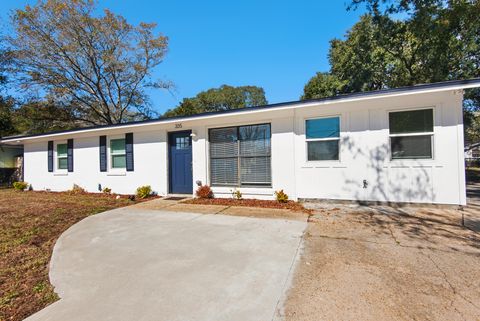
[[107, 190], [20, 186], [144, 191], [204, 191], [237, 194], [77, 189], [281, 196]]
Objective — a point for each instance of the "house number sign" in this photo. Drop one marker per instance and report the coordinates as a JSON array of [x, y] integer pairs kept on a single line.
[[178, 125]]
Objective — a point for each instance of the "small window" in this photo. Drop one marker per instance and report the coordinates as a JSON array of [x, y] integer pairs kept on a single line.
[[411, 134], [62, 162], [117, 153], [182, 143], [323, 139]]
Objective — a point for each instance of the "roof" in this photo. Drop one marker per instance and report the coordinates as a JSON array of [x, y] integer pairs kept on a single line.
[[438, 86]]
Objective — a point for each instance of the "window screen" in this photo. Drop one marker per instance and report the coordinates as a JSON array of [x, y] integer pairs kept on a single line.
[[416, 121], [240, 156], [411, 134], [323, 150]]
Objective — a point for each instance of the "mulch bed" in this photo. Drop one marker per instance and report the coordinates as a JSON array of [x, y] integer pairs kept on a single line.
[[290, 205], [30, 223]]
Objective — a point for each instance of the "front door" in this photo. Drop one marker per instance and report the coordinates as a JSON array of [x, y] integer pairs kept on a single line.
[[180, 162]]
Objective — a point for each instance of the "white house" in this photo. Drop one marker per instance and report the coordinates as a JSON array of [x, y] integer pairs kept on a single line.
[[395, 145]]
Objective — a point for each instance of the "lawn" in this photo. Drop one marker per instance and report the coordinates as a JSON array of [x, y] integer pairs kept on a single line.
[[30, 223]]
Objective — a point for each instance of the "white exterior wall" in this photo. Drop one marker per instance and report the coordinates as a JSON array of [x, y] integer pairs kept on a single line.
[[364, 154], [150, 166]]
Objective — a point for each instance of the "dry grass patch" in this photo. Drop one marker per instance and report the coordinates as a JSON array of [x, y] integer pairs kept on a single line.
[[30, 223]]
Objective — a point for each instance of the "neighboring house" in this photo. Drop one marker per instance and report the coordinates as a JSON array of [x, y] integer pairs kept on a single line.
[[10, 164], [396, 145], [472, 155], [472, 151]]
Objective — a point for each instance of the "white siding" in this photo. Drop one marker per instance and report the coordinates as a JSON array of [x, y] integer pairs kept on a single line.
[[364, 155]]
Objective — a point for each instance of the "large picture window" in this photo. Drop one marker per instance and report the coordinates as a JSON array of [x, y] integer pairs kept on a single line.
[[323, 138], [411, 134], [240, 156]]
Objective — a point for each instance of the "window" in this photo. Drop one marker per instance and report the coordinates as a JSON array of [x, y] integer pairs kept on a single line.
[[411, 134], [62, 162], [240, 156], [323, 138], [182, 142], [117, 153]]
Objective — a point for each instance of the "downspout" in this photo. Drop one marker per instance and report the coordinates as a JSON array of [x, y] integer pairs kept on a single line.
[[294, 120], [462, 184]]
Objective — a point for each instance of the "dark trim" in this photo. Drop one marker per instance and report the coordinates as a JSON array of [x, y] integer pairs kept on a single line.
[[129, 152], [70, 155], [271, 106], [50, 155], [102, 149]]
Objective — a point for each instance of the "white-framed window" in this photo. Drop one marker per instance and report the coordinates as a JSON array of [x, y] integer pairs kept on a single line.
[[411, 134], [62, 156], [240, 156], [323, 138], [118, 158]]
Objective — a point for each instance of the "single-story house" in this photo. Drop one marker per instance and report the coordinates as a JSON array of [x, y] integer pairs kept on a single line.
[[393, 145]]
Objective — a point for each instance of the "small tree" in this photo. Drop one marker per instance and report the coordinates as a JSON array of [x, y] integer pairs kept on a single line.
[[100, 66]]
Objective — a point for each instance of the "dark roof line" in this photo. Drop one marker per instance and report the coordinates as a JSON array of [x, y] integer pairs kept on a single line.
[[332, 98]]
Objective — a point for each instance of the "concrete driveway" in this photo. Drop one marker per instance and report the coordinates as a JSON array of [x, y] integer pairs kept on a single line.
[[138, 264]]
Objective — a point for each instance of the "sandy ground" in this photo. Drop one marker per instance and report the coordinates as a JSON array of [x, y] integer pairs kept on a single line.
[[379, 263]]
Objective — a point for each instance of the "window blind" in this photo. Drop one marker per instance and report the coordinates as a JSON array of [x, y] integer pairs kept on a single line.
[[240, 156]]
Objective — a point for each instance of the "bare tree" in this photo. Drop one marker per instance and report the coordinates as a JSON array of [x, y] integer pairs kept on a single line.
[[98, 65]]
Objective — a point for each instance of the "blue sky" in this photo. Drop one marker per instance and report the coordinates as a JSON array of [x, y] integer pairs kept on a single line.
[[277, 45]]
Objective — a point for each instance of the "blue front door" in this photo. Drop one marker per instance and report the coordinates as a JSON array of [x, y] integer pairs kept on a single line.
[[180, 162]]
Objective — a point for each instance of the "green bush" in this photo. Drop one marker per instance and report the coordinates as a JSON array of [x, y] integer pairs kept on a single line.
[[281, 196], [144, 191], [204, 192], [20, 186], [107, 190]]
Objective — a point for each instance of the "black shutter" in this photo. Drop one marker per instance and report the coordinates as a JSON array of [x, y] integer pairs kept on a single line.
[[129, 151], [70, 155], [103, 153], [50, 155]]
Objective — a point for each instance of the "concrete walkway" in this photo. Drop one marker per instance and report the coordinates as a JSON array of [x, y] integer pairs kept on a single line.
[[142, 264]]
